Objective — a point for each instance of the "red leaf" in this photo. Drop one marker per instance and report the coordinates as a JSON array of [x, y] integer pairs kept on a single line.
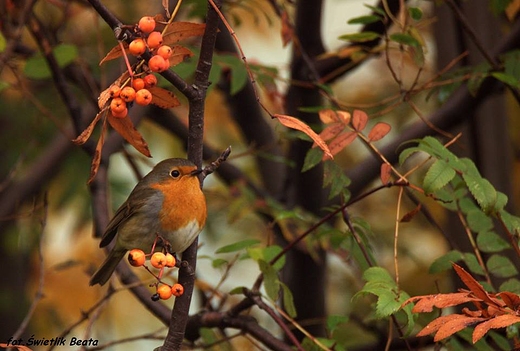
[[494, 323], [386, 173], [454, 325], [434, 325], [472, 284], [379, 131], [359, 120], [178, 31], [426, 303], [410, 215], [163, 98], [332, 131], [341, 141], [125, 127], [97, 154], [328, 116], [294, 123], [83, 137], [179, 54], [510, 299]]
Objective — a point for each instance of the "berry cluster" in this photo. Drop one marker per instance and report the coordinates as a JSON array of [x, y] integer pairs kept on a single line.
[[138, 89], [159, 260]]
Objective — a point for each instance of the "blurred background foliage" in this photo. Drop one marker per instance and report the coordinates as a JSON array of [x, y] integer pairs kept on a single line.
[[56, 217]]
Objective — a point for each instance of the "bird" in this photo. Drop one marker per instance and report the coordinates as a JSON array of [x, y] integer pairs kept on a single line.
[[167, 203]]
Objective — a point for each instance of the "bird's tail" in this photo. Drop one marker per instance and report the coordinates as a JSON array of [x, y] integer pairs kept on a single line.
[[108, 267]]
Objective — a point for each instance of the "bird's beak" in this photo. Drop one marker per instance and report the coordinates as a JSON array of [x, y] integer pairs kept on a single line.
[[196, 172]]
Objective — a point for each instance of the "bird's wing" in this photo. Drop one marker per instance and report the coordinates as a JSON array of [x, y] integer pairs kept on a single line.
[[129, 208]]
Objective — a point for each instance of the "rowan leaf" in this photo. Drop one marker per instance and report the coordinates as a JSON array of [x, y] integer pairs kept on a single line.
[[126, 129], [163, 98], [271, 281], [114, 53], [438, 175], [294, 123], [454, 325], [379, 131], [179, 54], [288, 301], [494, 323], [491, 242], [410, 215], [18, 347], [426, 303], [359, 120], [501, 266], [510, 299], [178, 31], [96, 159], [472, 284], [332, 131], [360, 37], [240, 245], [385, 173], [85, 134], [312, 158], [328, 116], [341, 141]]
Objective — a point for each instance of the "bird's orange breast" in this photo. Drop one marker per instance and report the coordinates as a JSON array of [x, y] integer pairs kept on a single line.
[[183, 202]]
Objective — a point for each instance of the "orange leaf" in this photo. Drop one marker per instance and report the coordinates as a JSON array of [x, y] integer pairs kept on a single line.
[[494, 323], [410, 215], [179, 54], [83, 137], [331, 131], [344, 116], [287, 29], [386, 173], [328, 116], [341, 141], [359, 120], [105, 94], [163, 98], [434, 325], [178, 31], [454, 325], [294, 123], [378, 131], [97, 153], [125, 127], [510, 299], [472, 284], [426, 303], [114, 53]]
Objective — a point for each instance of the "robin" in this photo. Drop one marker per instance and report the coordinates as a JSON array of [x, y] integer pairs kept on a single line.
[[167, 204]]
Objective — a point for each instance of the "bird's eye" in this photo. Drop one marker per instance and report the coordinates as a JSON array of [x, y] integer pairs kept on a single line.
[[175, 173]]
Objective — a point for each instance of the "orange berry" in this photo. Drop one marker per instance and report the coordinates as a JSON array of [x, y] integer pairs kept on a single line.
[[120, 114], [164, 291], [136, 257], [117, 105], [150, 81], [137, 47], [114, 91], [154, 40], [170, 260], [177, 290], [127, 94], [146, 24], [143, 97], [158, 260], [138, 84], [157, 63], [165, 51]]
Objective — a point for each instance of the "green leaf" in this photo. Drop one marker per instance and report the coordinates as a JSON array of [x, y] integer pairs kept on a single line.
[[364, 19], [218, 262], [333, 321], [239, 290], [271, 281], [334, 177], [491, 242], [376, 10], [3, 42], [507, 79], [499, 6], [415, 13], [288, 301], [511, 222], [406, 153], [473, 265], [512, 63], [405, 39], [478, 221], [313, 157], [501, 266], [511, 285], [360, 37], [500, 340], [481, 189], [444, 262], [437, 176], [267, 254], [36, 67], [240, 245]]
